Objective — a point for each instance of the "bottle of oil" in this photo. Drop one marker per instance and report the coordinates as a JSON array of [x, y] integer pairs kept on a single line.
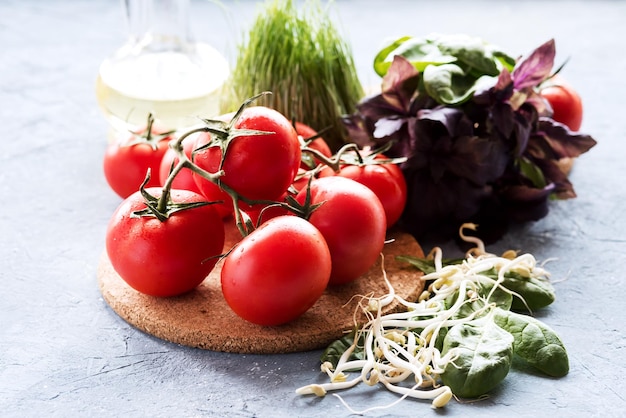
[[160, 70]]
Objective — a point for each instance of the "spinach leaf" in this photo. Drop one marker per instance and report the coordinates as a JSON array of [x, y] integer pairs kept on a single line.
[[500, 297], [536, 292], [484, 357], [535, 342], [335, 350], [441, 336], [425, 265]]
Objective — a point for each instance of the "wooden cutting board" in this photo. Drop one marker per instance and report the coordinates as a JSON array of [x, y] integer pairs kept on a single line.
[[202, 318]]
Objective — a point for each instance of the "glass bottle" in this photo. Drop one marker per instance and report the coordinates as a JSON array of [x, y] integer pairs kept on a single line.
[[160, 70]]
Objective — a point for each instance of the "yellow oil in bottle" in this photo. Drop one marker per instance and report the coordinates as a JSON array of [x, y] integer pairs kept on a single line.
[[177, 86], [160, 70]]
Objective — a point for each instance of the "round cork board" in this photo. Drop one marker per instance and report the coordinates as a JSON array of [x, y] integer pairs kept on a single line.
[[202, 318]]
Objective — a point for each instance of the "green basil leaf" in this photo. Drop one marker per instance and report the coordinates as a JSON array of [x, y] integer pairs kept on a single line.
[[532, 172], [384, 58], [505, 60], [420, 52], [453, 67], [535, 342], [473, 52], [476, 56], [485, 354], [447, 83]]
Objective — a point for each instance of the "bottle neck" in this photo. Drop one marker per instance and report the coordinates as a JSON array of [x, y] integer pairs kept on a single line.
[[158, 25]]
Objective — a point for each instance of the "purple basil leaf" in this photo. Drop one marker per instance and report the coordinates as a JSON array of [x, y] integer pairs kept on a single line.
[[358, 129], [562, 187], [446, 144], [400, 83], [433, 213], [479, 160], [376, 107], [541, 104], [504, 80], [398, 88], [500, 91], [535, 68], [452, 119], [460, 164], [387, 127], [503, 119], [563, 142], [525, 203], [503, 89], [525, 118]]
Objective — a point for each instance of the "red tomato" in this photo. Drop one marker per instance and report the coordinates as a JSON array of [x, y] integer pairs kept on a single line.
[[184, 179], [352, 221], [326, 172], [164, 258], [266, 212], [302, 179], [386, 181], [127, 160], [257, 167], [566, 103], [276, 273], [208, 189], [318, 144]]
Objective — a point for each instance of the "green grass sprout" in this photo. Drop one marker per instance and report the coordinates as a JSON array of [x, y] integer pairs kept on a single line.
[[300, 56]]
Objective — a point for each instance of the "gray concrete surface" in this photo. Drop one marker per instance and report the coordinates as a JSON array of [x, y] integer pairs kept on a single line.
[[63, 352]]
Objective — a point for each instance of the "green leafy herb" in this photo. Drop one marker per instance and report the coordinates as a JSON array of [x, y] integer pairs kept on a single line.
[[474, 129], [453, 65]]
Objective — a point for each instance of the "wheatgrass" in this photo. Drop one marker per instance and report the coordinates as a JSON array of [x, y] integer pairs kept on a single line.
[[299, 56]]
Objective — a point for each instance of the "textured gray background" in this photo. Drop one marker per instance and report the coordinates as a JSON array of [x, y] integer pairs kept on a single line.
[[64, 352]]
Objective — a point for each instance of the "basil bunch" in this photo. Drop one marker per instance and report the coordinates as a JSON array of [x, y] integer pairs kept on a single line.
[[453, 66], [478, 141]]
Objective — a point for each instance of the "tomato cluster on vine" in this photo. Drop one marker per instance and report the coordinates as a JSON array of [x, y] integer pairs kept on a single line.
[[308, 218]]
